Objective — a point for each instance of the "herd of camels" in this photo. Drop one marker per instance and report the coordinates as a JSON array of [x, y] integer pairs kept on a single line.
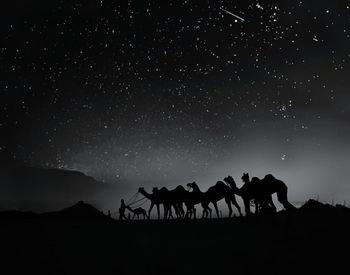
[[258, 191]]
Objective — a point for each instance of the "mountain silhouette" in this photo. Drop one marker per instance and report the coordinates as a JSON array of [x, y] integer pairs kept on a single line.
[[314, 206], [80, 210], [42, 190]]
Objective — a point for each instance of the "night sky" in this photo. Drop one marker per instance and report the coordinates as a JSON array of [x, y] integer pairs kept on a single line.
[[167, 92]]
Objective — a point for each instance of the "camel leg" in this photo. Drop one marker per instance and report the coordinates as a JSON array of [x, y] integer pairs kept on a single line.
[[188, 211], [150, 209], [179, 211], [216, 209], [204, 210], [176, 210], [210, 211], [194, 212], [170, 214], [258, 205], [247, 207], [158, 211], [228, 201], [235, 203], [270, 203], [282, 198], [166, 212], [182, 211]]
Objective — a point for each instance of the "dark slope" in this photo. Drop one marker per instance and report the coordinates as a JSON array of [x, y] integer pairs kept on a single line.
[[38, 189], [79, 211]]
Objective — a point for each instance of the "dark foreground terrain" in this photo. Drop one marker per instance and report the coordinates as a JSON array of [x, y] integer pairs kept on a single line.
[[79, 240]]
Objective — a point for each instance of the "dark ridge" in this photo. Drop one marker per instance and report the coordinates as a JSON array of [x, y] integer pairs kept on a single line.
[[41, 190], [316, 206], [79, 211]]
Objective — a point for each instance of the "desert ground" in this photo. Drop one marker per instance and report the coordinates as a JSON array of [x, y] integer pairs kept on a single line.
[[314, 239]]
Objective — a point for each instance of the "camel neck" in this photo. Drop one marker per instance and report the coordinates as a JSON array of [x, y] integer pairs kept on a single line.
[[196, 189], [148, 196]]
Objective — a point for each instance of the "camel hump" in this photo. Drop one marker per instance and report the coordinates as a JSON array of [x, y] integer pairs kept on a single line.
[[220, 183], [270, 177], [271, 180], [180, 188]]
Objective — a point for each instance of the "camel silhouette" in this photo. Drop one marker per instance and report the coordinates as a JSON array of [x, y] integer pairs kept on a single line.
[[215, 193], [155, 199], [263, 200], [176, 198], [261, 191], [180, 196], [138, 212], [168, 198]]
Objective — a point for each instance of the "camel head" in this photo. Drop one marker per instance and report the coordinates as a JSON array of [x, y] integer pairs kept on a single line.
[[245, 177], [231, 182], [141, 189]]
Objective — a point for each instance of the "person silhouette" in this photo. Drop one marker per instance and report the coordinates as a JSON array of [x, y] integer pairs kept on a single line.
[[122, 210]]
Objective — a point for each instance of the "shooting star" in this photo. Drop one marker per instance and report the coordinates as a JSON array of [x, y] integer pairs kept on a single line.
[[259, 6], [234, 15]]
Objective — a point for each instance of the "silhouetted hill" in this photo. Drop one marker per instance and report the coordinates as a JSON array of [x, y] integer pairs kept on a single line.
[[316, 206], [79, 211], [343, 208], [40, 190]]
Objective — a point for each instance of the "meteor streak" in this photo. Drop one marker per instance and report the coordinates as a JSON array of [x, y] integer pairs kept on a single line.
[[234, 15]]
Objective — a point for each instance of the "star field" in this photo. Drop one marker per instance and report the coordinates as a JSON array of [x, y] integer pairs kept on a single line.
[[130, 90]]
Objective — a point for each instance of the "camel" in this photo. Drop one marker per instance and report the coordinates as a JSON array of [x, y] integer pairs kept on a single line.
[[261, 191], [155, 199], [215, 193], [263, 201], [137, 212], [166, 197], [180, 196]]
